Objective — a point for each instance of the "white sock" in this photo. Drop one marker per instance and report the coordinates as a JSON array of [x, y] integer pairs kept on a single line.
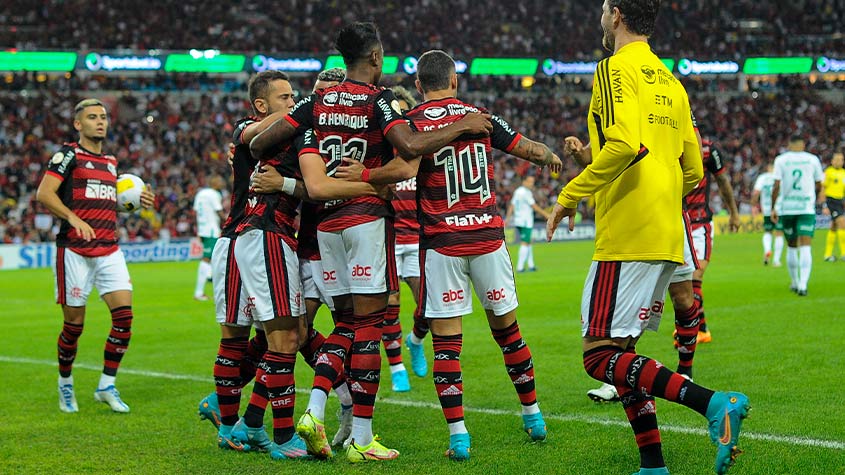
[[317, 403], [805, 265], [778, 249], [65, 381], [105, 381], [767, 243], [530, 257], [203, 272], [415, 340], [395, 368], [532, 409], [792, 264], [362, 431], [523, 256], [457, 428], [343, 395]]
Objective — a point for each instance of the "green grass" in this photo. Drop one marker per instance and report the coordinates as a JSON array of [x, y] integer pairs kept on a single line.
[[781, 350]]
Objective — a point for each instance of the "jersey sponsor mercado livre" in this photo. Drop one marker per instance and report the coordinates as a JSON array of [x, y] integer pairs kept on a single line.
[[208, 203], [697, 201], [456, 186], [349, 120], [523, 211], [765, 183], [798, 173], [641, 127], [405, 206], [89, 189], [242, 167]]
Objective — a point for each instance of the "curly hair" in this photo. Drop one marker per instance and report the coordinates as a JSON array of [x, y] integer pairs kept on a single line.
[[639, 16]]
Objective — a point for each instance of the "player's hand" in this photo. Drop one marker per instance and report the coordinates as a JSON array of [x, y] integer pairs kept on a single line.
[[574, 149], [558, 213], [148, 198], [267, 180], [774, 217], [734, 223], [477, 124], [350, 171], [555, 165], [81, 227]]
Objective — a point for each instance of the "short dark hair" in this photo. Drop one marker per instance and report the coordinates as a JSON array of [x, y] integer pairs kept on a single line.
[[434, 69], [796, 137], [332, 75], [355, 41], [260, 83], [638, 15]]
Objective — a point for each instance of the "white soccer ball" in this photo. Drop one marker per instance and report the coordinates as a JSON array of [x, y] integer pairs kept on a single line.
[[129, 188]]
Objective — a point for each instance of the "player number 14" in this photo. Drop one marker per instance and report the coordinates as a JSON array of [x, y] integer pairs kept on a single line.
[[466, 172]]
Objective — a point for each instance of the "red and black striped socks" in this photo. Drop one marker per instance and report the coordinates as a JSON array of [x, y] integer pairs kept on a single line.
[[698, 294], [254, 353], [227, 378], [642, 414], [448, 379], [392, 336], [67, 345], [365, 364], [686, 326], [274, 384], [519, 363], [118, 339]]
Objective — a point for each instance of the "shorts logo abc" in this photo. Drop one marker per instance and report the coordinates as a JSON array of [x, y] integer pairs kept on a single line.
[[362, 271], [329, 276], [496, 295], [453, 296]]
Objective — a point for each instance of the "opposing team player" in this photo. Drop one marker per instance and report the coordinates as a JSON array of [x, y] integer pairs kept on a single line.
[[798, 178], [522, 208], [208, 206], [79, 188], [701, 216], [772, 232], [834, 190], [355, 119], [462, 244], [638, 186]]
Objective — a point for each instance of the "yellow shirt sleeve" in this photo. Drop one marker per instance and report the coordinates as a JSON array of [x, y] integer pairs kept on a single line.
[[618, 123]]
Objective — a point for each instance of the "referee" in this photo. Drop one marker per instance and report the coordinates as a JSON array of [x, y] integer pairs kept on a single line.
[[834, 190]]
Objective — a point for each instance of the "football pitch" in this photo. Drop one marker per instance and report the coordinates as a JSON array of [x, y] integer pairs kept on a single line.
[[781, 350]]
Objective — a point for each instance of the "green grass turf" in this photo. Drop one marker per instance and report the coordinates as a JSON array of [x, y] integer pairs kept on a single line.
[[782, 350]]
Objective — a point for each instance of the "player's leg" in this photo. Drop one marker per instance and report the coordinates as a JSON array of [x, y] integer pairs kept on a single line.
[[806, 229], [445, 294], [778, 245], [687, 310], [73, 283], [830, 242], [414, 340], [392, 340], [111, 277], [703, 247], [522, 258], [840, 233], [790, 231], [623, 299], [493, 280], [526, 237], [768, 226]]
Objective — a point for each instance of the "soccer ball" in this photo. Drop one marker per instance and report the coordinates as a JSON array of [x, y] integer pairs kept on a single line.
[[129, 188]]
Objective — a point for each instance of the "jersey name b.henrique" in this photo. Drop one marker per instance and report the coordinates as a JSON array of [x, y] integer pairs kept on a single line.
[[645, 158], [456, 186], [349, 120], [798, 173], [89, 189]]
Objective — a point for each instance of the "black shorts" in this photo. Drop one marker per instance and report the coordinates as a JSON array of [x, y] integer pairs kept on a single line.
[[836, 208]]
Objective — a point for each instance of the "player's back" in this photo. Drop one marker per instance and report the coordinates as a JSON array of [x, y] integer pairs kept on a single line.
[[242, 167], [405, 207], [765, 183], [798, 173]]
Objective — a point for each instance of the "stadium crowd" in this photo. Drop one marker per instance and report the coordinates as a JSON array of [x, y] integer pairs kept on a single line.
[[176, 141], [461, 27]]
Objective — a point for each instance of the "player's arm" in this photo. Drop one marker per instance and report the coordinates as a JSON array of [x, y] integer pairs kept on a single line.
[[410, 144], [545, 214], [270, 180], [577, 151], [509, 213], [775, 194], [272, 140], [323, 187], [755, 201], [47, 194], [256, 128], [537, 153], [396, 170], [726, 191]]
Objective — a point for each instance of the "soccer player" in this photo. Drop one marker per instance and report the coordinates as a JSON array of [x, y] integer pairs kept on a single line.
[[79, 188], [360, 120], [798, 178], [834, 190], [701, 216], [462, 244], [762, 198], [522, 208], [208, 205], [638, 186]]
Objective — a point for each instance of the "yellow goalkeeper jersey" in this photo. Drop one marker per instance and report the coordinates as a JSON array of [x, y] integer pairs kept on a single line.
[[646, 157], [834, 183]]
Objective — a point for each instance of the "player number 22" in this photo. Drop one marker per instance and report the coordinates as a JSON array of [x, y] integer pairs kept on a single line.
[[466, 172], [334, 147]]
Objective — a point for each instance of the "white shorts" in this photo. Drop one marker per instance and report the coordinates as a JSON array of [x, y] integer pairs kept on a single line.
[[313, 288], [683, 272], [446, 283], [408, 260], [77, 275], [623, 299], [357, 260], [702, 241], [228, 286], [270, 273]]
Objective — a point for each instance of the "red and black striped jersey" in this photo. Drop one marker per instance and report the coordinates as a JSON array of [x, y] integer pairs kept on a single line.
[[697, 202], [350, 120], [89, 189], [405, 206], [276, 212], [456, 188], [306, 238], [242, 166]]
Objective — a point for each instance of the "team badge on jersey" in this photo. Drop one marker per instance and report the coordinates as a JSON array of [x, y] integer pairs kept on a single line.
[[435, 113], [57, 158], [395, 105], [330, 99]]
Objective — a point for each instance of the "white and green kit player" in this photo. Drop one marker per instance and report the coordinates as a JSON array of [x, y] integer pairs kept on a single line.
[[522, 208], [772, 232], [798, 180], [208, 205]]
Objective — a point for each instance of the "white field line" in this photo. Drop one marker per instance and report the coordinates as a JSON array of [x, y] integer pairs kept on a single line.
[[782, 439]]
